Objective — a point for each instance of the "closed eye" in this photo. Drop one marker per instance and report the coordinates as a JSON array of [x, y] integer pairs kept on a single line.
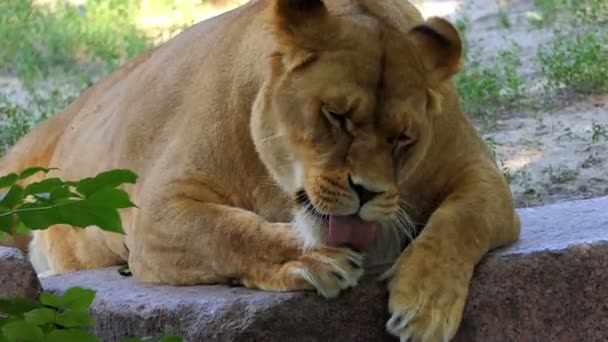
[[337, 119], [400, 141]]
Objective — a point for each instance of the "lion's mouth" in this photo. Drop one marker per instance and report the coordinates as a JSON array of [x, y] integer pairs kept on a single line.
[[344, 230]]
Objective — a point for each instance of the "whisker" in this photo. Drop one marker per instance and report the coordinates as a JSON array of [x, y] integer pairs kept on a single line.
[[402, 201], [404, 223]]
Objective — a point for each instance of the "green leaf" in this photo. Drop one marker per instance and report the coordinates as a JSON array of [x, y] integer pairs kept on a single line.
[[33, 170], [8, 180], [45, 186], [41, 316], [60, 193], [108, 179], [13, 197], [125, 271], [172, 339], [18, 306], [76, 213], [22, 228], [74, 319], [39, 215], [22, 331], [51, 300], [84, 214], [6, 220], [71, 335], [110, 198], [78, 298]]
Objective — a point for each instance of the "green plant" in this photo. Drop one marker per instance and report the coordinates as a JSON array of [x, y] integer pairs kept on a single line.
[[561, 174], [506, 172], [525, 182], [579, 63], [486, 90], [572, 11], [53, 318], [16, 122], [91, 201], [503, 18], [598, 132], [16, 119], [61, 37], [57, 49]]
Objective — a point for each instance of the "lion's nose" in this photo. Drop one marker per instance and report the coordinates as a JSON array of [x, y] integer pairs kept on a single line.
[[365, 195]]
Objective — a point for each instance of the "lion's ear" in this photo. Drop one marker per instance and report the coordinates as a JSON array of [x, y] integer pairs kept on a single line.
[[295, 17], [441, 46], [302, 28], [298, 9]]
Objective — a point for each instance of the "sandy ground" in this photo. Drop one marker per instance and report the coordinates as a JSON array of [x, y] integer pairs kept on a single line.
[[549, 156]]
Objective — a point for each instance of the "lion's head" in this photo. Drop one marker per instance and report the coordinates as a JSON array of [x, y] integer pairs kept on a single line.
[[346, 113]]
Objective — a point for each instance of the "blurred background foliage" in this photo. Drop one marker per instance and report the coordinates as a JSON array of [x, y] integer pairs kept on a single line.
[[51, 50]]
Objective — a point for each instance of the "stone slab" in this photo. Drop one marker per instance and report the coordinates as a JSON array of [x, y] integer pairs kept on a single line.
[[17, 276], [550, 286]]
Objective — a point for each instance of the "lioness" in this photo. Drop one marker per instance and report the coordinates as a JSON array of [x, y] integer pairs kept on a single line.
[[280, 144]]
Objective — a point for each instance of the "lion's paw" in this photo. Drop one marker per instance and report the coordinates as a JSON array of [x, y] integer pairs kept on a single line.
[[330, 270], [426, 300]]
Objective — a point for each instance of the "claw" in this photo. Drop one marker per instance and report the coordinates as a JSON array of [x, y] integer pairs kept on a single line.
[[398, 321], [395, 324], [337, 275], [354, 264]]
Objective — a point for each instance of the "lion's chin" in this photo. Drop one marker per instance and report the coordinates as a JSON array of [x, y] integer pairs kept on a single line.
[[313, 229]]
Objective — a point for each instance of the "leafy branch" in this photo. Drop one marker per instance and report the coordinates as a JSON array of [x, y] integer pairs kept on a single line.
[[89, 202]]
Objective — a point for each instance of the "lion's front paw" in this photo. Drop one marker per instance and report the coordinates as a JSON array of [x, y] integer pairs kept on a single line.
[[330, 270], [427, 297]]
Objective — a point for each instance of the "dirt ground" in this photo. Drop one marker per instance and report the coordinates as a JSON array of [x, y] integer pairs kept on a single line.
[[548, 155]]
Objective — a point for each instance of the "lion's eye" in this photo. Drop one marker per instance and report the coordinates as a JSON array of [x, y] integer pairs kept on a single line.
[[337, 119], [404, 139], [400, 141]]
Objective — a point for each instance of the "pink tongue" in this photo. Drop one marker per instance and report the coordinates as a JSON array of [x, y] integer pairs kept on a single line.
[[351, 231]]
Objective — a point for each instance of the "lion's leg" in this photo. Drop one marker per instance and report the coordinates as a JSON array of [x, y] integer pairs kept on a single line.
[[186, 242], [63, 249], [431, 278]]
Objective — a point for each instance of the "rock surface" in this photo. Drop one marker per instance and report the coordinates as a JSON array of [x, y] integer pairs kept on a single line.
[[17, 276], [550, 286]]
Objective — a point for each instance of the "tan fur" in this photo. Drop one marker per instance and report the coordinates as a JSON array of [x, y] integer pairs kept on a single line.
[[231, 122]]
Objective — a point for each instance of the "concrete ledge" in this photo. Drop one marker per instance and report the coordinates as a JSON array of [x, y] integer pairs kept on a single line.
[[550, 286]]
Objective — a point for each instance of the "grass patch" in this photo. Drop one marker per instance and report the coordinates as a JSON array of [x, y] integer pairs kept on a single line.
[[57, 50], [60, 38], [599, 132], [569, 11], [579, 63], [490, 89], [560, 174], [506, 172], [503, 18], [19, 118]]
